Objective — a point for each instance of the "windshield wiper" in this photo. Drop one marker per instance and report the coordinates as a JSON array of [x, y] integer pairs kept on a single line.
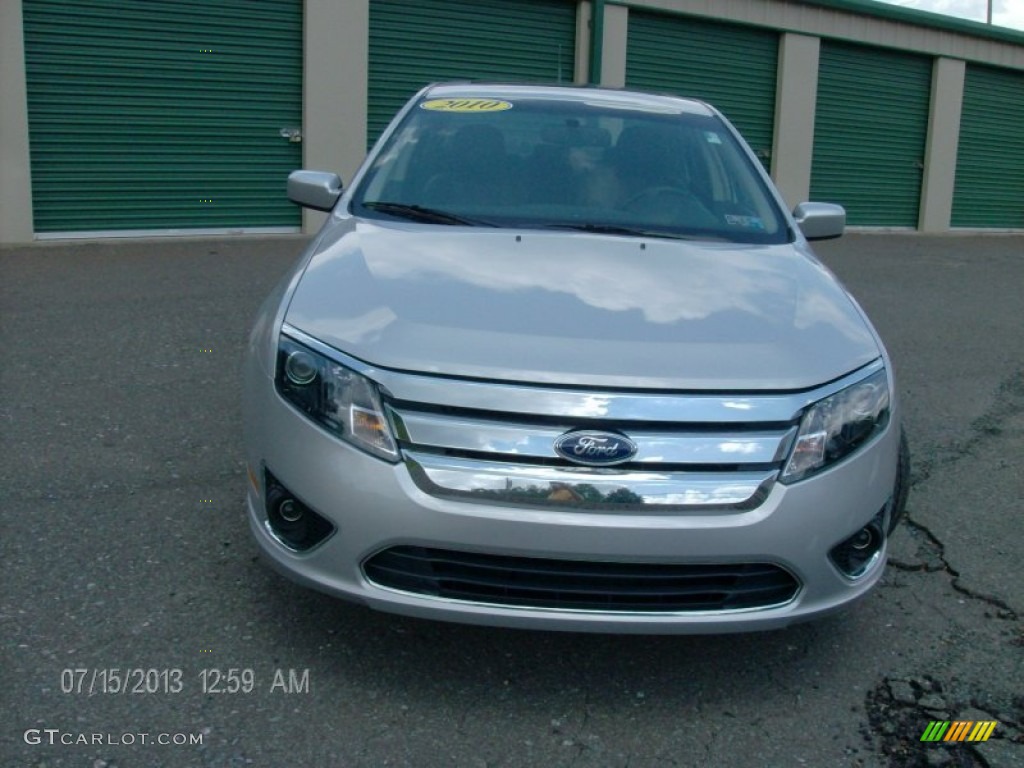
[[613, 229], [422, 213]]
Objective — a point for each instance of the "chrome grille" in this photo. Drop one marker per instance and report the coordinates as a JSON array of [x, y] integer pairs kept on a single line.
[[510, 458], [676, 445]]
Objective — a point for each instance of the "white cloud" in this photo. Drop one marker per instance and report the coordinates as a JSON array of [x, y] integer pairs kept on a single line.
[[1005, 13]]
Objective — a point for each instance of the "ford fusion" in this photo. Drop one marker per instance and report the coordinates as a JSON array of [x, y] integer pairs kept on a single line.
[[560, 358]]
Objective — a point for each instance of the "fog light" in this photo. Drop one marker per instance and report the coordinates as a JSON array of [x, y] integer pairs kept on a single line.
[[290, 511], [291, 522], [855, 556], [862, 539]]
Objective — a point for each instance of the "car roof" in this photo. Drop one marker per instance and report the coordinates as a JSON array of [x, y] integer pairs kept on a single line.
[[612, 97]]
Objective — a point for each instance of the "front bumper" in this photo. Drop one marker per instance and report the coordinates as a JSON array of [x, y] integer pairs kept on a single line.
[[375, 506]]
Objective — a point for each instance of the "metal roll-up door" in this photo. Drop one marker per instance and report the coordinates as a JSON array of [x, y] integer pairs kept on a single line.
[[870, 127], [730, 66], [416, 42], [163, 115], [989, 189]]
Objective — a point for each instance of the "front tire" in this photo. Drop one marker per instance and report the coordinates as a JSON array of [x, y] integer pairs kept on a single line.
[[901, 489]]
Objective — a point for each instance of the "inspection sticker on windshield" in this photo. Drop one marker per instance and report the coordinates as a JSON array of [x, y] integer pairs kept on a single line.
[[747, 222], [466, 105]]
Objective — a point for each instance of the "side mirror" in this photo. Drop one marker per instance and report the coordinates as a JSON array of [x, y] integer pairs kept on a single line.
[[820, 221], [314, 189]]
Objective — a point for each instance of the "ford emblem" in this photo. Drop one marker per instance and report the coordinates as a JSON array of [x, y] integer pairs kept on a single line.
[[596, 449]]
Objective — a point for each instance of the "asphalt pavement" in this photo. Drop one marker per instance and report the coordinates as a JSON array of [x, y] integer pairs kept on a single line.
[[136, 611]]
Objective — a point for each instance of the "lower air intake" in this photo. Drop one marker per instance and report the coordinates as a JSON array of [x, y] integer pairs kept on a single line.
[[528, 582]]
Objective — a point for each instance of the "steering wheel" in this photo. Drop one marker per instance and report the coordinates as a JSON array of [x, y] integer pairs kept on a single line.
[[650, 195]]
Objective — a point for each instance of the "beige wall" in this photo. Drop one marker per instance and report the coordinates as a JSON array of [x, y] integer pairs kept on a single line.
[[940, 149], [336, 69], [613, 55], [582, 68], [795, 100], [15, 170]]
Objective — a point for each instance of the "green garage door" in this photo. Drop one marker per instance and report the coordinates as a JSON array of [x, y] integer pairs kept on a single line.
[[729, 66], [989, 189], [416, 42], [870, 126], [163, 115]]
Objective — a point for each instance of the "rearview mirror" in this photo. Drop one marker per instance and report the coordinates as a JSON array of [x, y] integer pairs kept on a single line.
[[820, 221], [314, 189]]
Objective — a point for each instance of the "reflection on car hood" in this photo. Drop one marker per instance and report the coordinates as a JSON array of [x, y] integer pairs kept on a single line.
[[580, 309]]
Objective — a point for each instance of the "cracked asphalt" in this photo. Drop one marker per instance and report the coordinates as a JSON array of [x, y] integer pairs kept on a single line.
[[124, 546]]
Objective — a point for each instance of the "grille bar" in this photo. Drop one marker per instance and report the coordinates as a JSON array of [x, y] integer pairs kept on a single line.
[[581, 585], [704, 444], [651, 491]]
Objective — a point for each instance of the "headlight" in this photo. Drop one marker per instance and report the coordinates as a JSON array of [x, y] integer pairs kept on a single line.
[[836, 426], [335, 397]]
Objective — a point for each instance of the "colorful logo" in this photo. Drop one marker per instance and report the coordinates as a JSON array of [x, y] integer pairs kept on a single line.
[[959, 730]]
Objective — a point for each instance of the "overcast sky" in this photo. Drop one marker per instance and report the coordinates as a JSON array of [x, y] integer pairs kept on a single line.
[[1006, 13]]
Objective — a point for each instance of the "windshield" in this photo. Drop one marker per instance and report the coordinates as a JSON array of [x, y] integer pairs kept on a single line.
[[553, 163]]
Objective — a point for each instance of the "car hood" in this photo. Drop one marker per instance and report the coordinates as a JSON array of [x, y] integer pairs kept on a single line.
[[580, 309]]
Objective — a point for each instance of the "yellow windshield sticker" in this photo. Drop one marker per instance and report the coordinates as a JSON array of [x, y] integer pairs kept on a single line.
[[466, 105]]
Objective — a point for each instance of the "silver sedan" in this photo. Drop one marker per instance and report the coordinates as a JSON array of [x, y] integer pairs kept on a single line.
[[560, 358]]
